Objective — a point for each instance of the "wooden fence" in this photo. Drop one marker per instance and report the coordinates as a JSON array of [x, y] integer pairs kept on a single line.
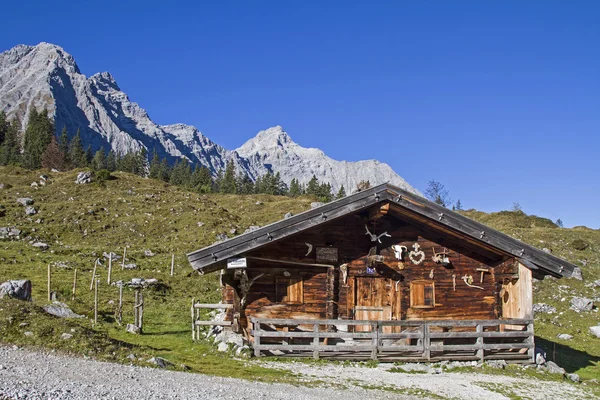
[[198, 322], [511, 339]]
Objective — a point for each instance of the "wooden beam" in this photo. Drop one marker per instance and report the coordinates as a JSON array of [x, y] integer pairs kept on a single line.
[[377, 212]]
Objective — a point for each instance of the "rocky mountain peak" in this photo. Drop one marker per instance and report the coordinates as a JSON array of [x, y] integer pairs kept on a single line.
[[45, 76], [106, 80]]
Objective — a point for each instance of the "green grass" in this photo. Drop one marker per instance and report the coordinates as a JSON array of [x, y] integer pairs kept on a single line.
[[79, 222]]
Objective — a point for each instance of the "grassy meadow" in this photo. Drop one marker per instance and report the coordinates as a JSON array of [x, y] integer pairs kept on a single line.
[[80, 222]]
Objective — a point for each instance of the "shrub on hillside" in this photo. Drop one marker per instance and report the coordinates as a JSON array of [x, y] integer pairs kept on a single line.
[[579, 244], [103, 175]]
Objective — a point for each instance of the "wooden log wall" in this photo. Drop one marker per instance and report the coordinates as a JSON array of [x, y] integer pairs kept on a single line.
[[326, 295]]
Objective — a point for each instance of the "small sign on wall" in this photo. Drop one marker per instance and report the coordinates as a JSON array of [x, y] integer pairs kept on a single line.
[[327, 254], [236, 263], [371, 270]]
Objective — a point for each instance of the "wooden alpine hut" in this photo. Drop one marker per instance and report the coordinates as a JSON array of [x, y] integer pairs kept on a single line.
[[382, 274]]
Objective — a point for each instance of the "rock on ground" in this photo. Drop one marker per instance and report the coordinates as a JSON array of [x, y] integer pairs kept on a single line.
[[20, 289], [83, 178], [61, 310], [577, 274], [543, 308], [580, 304], [595, 330], [25, 201]]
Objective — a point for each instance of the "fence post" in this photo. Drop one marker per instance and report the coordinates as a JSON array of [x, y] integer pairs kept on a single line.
[[426, 342], [172, 263], [49, 285], [375, 339], [74, 285], [120, 311], [256, 324], [109, 268], [193, 321], [531, 341], [316, 341], [479, 342], [96, 300], [94, 274]]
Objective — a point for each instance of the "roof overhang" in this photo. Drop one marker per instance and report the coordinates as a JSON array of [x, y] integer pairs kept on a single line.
[[214, 257]]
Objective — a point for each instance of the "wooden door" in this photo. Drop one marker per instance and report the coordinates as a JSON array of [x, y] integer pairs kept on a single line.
[[375, 300]]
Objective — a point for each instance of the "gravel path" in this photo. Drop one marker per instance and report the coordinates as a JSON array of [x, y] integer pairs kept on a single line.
[[26, 374], [467, 386]]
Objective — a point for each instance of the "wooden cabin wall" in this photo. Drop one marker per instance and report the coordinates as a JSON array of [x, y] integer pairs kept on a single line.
[[517, 295], [338, 298], [262, 298]]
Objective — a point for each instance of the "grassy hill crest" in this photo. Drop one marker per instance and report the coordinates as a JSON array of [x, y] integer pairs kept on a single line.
[[80, 222]]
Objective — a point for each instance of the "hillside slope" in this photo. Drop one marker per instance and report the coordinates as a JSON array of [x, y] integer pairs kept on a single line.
[[80, 222]]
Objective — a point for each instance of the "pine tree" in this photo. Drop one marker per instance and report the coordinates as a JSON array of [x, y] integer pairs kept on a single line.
[[324, 193], [154, 165], [111, 161], [165, 171], [53, 158], [3, 127], [313, 186], [89, 156], [76, 153], [341, 193], [38, 135], [10, 149], [218, 182], [100, 162], [228, 183], [458, 206], [201, 180], [63, 146], [295, 188]]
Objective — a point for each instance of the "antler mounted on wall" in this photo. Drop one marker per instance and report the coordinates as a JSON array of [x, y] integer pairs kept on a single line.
[[374, 237]]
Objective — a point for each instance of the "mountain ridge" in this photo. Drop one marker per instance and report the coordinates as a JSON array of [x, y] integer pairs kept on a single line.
[[46, 77]]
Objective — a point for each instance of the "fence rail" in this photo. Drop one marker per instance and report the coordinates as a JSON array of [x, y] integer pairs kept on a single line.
[[396, 340], [198, 322]]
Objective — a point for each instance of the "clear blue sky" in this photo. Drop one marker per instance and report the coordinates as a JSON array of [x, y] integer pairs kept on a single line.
[[498, 100]]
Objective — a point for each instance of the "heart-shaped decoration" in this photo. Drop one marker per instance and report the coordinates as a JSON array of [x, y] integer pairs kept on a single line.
[[416, 257]]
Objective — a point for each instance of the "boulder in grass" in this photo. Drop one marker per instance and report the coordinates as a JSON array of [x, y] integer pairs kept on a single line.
[[595, 330], [553, 368], [60, 310], [20, 289], [83, 178], [580, 304], [30, 210], [577, 274], [133, 329], [161, 362], [41, 245], [25, 201]]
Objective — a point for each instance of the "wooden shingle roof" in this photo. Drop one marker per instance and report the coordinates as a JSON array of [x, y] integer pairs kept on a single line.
[[214, 257]]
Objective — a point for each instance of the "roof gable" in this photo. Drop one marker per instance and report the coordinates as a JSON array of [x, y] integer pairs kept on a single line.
[[213, 257]]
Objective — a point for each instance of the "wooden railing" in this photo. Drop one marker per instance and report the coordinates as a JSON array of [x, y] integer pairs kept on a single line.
[[397, 340], [198, 322]]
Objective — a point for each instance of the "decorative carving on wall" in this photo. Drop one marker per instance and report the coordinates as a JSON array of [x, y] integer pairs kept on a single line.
[[469, 281], [441, 258], [399, 251], [431, 274], [344, 272], [374, 237], [373, 258], [310, 247], [454, 282], [329, 254], [417, 256]]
